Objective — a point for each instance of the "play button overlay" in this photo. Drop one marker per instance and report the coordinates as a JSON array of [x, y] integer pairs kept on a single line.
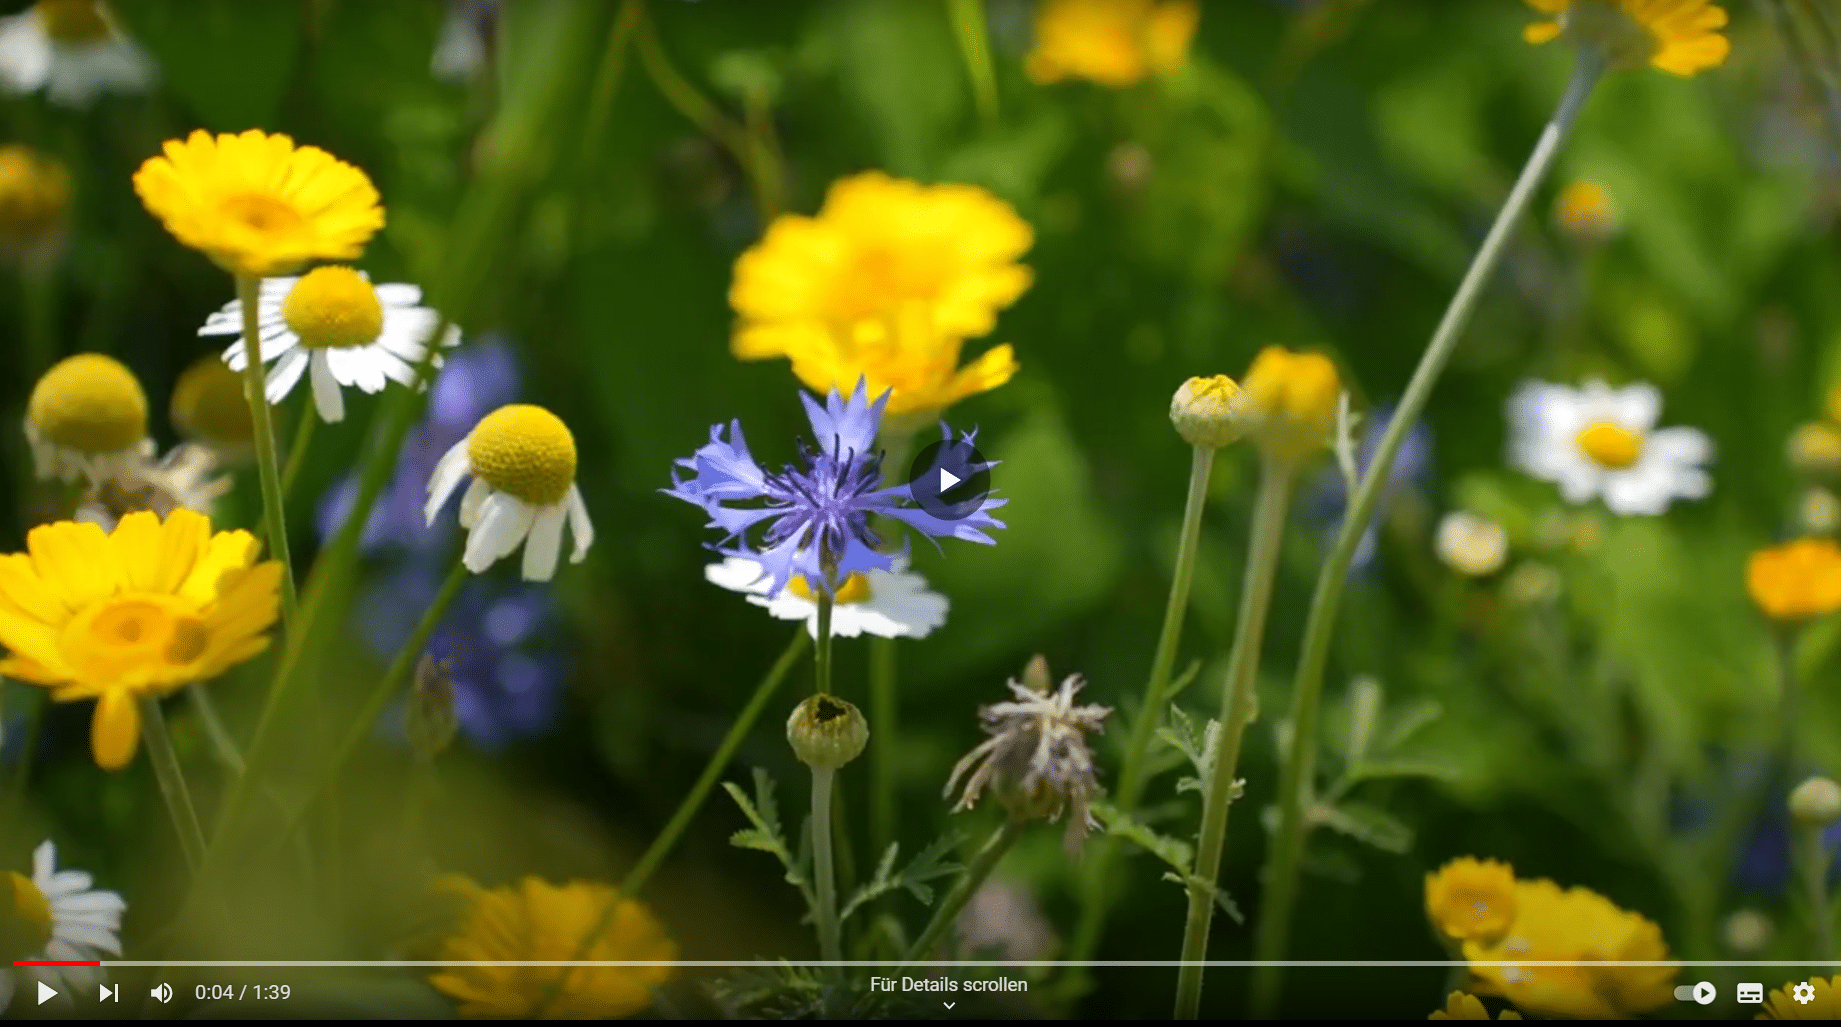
[[950, 479], [46, 993]]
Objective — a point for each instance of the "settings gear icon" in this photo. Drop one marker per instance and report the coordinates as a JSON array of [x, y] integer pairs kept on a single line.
[[1804, 992]]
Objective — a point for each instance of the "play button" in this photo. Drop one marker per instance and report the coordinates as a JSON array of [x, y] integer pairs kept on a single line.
[[950, 479], [45, 993]]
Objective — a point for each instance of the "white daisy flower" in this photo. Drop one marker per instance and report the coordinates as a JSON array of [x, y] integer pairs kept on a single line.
[[72, 50], [63, 919], [334, 326], [87, 418], [1597, 441], [891, 603], [522, 460]]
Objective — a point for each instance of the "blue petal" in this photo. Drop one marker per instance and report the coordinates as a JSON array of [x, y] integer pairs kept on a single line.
[[846, 426], [970, 528], [724, 471]]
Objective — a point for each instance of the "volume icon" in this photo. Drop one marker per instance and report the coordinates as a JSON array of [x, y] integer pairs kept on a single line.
[[164, 992]]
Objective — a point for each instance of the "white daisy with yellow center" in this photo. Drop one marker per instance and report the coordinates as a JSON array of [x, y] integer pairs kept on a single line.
[[338, 329], [72, 50], [1600, 442], [891, 603], [87, 418], [55, 915], [522, 461]]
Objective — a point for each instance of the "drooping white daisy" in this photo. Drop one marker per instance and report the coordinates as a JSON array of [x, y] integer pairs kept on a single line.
[[73, 50], [55, 915], [87, 418], [522, 460], [1596, 441], [891, 603], [334, 326]]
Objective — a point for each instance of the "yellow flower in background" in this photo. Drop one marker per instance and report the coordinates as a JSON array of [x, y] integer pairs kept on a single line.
[[208, 407], [1677, 36], [34, 193], [1824, 1001], [146, 610], [886, 283], [1796, 581], [1573, 925], [1587, 211], [535, 921], [1112, 42], [1288, 401], [87, 417], [258, 205], [1471, 899], [1460, 1006]]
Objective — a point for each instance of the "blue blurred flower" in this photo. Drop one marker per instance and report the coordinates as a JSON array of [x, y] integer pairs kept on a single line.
[[1764, 863], [506, 686], [1412, 469], [476, 380], [816, 511]]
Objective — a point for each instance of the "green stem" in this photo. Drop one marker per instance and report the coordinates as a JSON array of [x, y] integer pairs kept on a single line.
[[1814, 860], [309, 416], [398, 672], [964, 888], [1096, 899], [968, 24], [830, 943], [687, 809], [268, 464], [214, 727], [1238, 701], [172, 781], [884, 695], [16, 789], [1287, 848], [821, 659]]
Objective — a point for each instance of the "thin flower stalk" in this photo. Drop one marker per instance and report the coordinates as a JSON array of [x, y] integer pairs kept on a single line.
[[1281, 875], [884, 684], [830, 939], [969, 26], [268, 463], [967, 885], [172, 782]]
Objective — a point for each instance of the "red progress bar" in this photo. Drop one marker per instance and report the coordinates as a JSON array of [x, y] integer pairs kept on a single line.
[[57, 962]]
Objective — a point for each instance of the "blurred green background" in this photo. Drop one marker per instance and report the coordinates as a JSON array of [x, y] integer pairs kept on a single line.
[[1318, 177]]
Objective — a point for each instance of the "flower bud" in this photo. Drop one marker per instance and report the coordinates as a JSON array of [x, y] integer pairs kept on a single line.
[[34, 192], [430, 720], [1288, 401], [1816, 802], [826, 732], [1819, 512], [1747, 931], [1815, 449], [1471, 545], [1203, 411], [1587, 212]]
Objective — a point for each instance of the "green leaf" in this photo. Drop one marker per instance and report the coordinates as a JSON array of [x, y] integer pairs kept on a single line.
[[1408, 720], [766, 835], [229, 61], [928, 864], [1173, 851], [1223, 900], [1367, 824], [1377, 770]]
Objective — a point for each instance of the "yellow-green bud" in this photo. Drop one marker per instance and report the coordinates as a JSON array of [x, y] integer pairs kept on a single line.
[[1815, 449], [826, 732], [1203, 411], [1289, 401], [1816, 802]]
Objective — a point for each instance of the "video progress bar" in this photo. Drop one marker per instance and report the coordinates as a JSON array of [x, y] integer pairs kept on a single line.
[[936, 964]]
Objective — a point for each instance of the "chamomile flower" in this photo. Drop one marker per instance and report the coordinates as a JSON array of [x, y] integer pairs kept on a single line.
[[56, 915], [72, 50], [87, 418], [522, 461], [336, 328], [209, 409], [181, 480], [1597, 441], [889, 603]]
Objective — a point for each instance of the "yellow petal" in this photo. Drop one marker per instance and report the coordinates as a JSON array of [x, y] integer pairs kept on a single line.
[[74, 562], [114, 729], [21, 589], [227, 551], [1541, 32], [156, 557]]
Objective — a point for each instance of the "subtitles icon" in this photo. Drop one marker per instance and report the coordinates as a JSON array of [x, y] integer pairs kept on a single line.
[[1751, 994]]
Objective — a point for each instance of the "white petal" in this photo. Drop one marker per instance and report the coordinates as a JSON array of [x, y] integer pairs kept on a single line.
[[65, 882], [326, 395], [504, 521], [904, 600], [284, 375], [545, 543], [737, 574], [94, 938], [1680, 445], [450, 471], [580, 527], [25, 59], [470, 503], [398, 294], [1637, 406], [44, 863]]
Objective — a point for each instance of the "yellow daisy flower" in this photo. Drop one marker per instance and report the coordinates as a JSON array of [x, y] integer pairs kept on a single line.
[[1460, 1006], [1288, 401], [1587, 211], [886, 283], [1677, 36], [146, 610], [87, 418], [257, 204], [1114, 43], [1573, 924], [1824, 1001], [535, 921], [1797, 581], [1471, 899]]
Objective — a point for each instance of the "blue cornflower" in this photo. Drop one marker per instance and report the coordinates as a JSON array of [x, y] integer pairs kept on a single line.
[[816, 512]]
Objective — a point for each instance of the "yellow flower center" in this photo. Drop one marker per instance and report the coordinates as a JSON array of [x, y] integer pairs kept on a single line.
[[144, 633], [73, 21], [25, 927], [33, 193], [90, 403], [208, 404], [524, 451], [1610, 445], [854, 590], [334, 308]]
